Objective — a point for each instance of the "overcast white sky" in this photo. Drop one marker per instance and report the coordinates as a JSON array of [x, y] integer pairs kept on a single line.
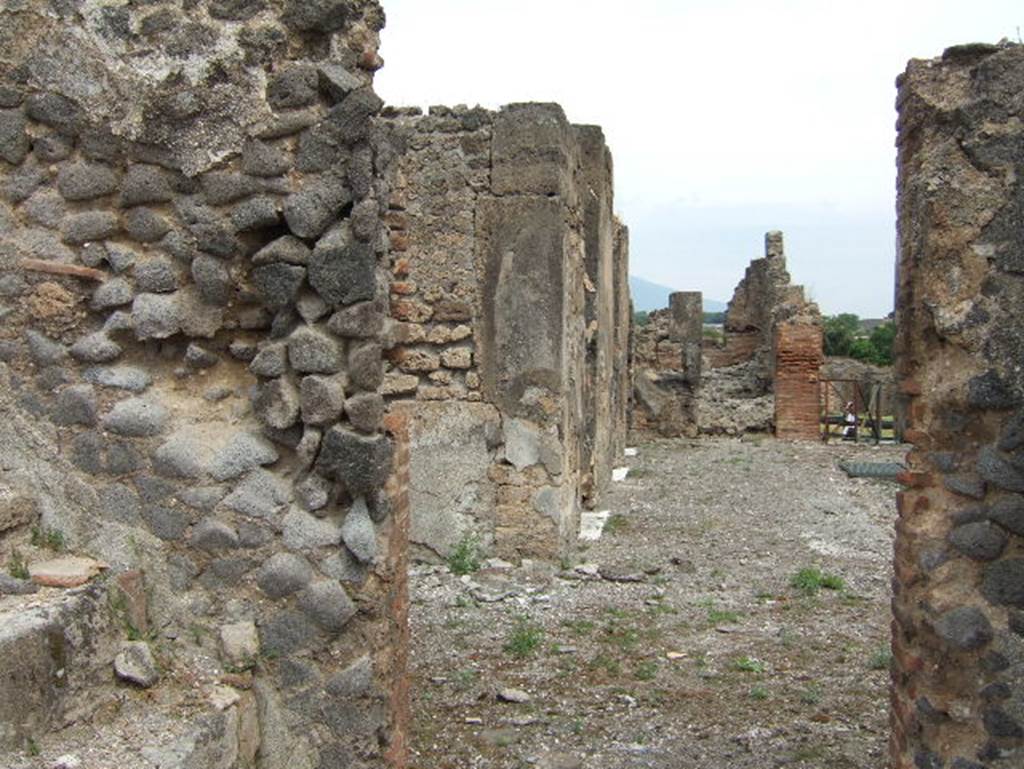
[[726, 118]]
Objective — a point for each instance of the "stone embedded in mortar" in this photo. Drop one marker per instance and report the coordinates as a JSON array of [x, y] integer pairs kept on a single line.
[[261, 494], [210, 534], [1000, 471], [287, 249], [156, 276], [1012, 437], [302, 531], [361, 463], [14, 141], [311, 351], [327, 604], [95, 348], [243, 452], [365, 411], [257, 213], [313, 492], [198, 319], [136, 417], [271, 360], [262, 159], [350, 120], [212, 280], [75, 405], [311, 307], [286, 633], [343, 269], [981, 541], [365, 368], [156, 316], [293, 85], [198, 357], [284, 574], [363, 319], [278, 284], [1008, 512], [1003, 582], [222, 187], [313, 208], [112, 293], [80, 228], [145, 184], [52, 147], [322, 399], [166, 523], [145, 225], [276, 403], [84, 181], [964, 628], [120, 377], [359, 533], [43, 350]]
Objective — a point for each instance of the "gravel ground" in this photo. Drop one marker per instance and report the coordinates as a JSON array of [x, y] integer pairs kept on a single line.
[[678, 639]]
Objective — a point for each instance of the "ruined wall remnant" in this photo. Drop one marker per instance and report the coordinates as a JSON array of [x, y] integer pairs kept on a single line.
[[684, 384], [194, 286], [798, 359], [508, 278], [667, 356], [958, 630]]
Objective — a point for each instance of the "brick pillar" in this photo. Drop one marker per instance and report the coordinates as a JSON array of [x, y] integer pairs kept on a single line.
[[958, 590], [798, 357]]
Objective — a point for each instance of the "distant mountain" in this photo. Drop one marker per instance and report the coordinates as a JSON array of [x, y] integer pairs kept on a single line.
[[649, 296]]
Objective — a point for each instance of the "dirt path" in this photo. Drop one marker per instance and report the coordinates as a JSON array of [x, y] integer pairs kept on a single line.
[[677, 640]]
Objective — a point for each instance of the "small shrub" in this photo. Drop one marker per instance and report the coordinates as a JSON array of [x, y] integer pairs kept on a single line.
[[17, 566], [880, 659], [525, 639], [465, 558], [646, 671], [51, 539], [811, 695], [811, 579], [748, 665]]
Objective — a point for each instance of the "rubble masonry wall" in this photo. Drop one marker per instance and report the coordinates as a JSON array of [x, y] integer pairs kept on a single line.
[[958, 591], [194, 286], [509, 274]]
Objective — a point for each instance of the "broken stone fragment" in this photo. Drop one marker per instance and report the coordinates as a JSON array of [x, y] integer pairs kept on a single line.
[[327, 604], [240, 644], [276, 403], [67, 571], [284, 574], [311, 351], [516, 696], [343, 269], [322, 399], [135, 663], [360, 462]]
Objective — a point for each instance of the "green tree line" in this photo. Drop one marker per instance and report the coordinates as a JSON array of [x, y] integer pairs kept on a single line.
[[845, 337]]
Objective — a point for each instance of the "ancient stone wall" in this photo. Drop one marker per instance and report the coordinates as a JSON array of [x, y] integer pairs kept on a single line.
[[508, 278], [667, 355], [684, 384], [958, 592], [194, 286]]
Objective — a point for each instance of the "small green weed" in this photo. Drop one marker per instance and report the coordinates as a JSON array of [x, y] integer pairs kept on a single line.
[[525, 639], [32, 747], [579, 627], [758, 693], [646, 671], [811, 695], [616, 524], [17, 566], [719, 616], [52, 539], [748, 665], [609, 665], [811, 579], [465, 558], [880, 659]]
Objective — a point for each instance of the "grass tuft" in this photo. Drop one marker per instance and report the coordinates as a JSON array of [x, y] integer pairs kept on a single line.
[[465, 558], [811, 580], [525, 639]]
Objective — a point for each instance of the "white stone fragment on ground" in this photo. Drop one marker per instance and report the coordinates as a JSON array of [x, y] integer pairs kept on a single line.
[[620, 473], [517, 696], [135, 664], [592, 524], [630, 452], [223, 697], [68, 571], [66, 761]]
